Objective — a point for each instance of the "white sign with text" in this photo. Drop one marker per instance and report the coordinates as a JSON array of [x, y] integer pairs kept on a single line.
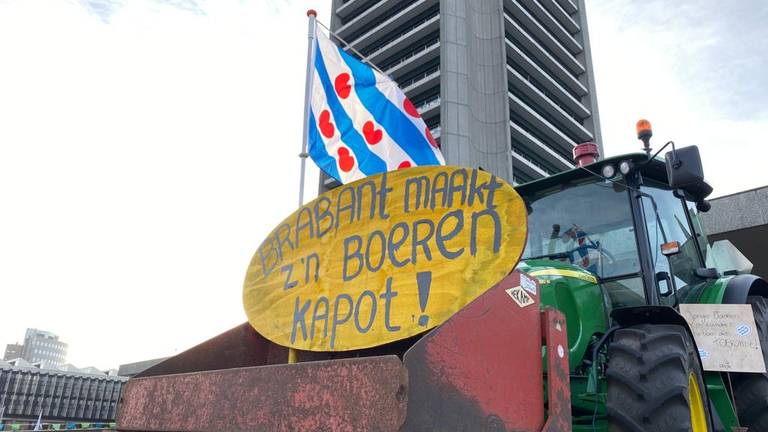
[[726, 337]]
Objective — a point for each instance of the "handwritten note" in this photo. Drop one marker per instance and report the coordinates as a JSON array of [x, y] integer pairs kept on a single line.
[[384, 258], [726, 337]]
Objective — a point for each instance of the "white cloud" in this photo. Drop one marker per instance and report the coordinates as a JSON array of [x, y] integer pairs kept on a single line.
[[142, 161], [650, 63]]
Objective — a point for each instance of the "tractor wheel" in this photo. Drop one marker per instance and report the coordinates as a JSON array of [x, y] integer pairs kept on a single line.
[[750, 389], [655, 381]]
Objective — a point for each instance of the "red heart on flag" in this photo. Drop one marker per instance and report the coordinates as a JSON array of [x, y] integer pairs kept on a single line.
[[326, 127], [404, 164], [371, 134], [410, 109], [346, 162], [430, 138], [341, 83]]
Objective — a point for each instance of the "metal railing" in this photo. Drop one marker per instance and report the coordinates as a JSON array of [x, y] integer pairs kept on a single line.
[[428, 104], [430, 73], [518, 152], [392, 40], [421, 48]]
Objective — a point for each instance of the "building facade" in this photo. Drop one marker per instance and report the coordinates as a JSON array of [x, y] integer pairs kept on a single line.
[[742, 218], [43, 347], [26, 392], [13, 351], [505, 85]]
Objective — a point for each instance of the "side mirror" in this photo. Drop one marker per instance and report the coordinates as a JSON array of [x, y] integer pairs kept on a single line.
[[703, 206], [684, 167], [665, 288]]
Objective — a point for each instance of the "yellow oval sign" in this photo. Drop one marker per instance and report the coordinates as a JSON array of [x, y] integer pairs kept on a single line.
[[384, 258]]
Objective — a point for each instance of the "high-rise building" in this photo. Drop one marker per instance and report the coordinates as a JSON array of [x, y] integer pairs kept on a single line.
[[43, 347], [12, 351], [505, 85]]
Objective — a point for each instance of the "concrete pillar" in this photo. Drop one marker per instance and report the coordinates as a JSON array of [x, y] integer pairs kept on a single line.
[[473, 88]]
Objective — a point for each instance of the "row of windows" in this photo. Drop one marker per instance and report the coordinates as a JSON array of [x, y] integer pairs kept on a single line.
[[66, 386], [104, 411], [25, 393], [413, 51], [536, 39], [402, 30], [414, 78], [546, 116], [46, 344], [536, 84], [533, 131], [533, 58], [533, 158], [49, 353], [390, 12]]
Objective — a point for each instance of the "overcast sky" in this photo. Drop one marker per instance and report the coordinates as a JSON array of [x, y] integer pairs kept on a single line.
[[148, 146]]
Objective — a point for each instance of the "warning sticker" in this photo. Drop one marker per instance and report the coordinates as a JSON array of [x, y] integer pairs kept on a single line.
[[520, 296], [528, 284]]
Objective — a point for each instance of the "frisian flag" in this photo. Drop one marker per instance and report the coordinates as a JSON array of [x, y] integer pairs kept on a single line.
[[360, 122]]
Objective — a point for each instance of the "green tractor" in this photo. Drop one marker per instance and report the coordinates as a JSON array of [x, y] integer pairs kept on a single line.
[[617, 246]]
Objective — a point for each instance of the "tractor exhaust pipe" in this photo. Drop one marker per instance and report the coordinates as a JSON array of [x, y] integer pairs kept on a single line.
[[585, 154]]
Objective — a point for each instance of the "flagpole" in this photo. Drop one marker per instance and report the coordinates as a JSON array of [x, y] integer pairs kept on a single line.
[[312, 15]]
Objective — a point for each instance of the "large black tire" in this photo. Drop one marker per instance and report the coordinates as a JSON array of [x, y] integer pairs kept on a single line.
[[751, 390], [648, 373]]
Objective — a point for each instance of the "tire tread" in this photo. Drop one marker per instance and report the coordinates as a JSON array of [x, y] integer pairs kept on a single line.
[[647, 376]]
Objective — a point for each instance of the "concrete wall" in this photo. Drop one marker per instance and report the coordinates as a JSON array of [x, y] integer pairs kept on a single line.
[[738, 211], [473, 92], [742, 218]]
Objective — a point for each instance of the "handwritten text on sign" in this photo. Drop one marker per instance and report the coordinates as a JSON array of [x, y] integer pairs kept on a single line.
[[384, 258], [726, 336]]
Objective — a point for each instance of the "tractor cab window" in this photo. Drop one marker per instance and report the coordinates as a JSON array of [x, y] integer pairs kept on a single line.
[[666, 221], [587, 224], [698, 229]]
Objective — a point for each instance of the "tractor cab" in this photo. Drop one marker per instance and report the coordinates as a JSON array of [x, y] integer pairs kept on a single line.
[[630, 222]]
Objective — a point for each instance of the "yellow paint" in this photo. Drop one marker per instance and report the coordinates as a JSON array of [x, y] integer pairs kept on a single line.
[[450, 232], [698, 416], [567, 273]]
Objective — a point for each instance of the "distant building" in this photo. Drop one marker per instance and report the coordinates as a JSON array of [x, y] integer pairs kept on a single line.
[[39, 347], [12, 351], [61, 396], [133, 369], [742, 218]]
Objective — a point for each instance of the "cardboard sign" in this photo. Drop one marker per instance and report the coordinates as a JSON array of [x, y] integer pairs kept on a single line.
[[726, 337], [384, 258]]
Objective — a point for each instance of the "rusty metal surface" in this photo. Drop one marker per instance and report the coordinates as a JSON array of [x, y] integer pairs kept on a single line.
[[366, 394], [558, 378], [239, 347], [481, 370]]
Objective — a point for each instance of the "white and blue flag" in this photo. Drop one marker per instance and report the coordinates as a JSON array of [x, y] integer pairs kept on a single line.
[[360, 122]]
